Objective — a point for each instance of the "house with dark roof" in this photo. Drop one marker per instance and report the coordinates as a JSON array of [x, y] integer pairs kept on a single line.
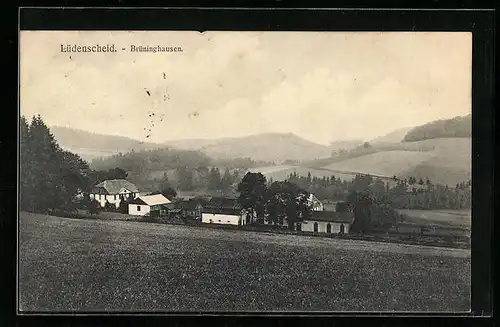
[[223, 211], [191, 208], [113, 191], [148, 205], [329, 222]]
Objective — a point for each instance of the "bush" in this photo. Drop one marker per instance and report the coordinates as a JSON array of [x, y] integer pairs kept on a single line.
[[94, 207]]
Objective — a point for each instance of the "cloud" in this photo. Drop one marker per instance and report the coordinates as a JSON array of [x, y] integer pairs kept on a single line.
[[322, 86]]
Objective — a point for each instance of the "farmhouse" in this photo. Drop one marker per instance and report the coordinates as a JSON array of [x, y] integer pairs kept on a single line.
[[223, 211], [329, 222], [150, 205], [113, 191]]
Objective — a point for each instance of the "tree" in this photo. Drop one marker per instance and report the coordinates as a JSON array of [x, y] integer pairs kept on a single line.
[[226, 180], [341, 207], [287, 200], [94, 207], [169, 192], [253, 189], [360, 202], [50, 176], [214, 180], [185, 176]]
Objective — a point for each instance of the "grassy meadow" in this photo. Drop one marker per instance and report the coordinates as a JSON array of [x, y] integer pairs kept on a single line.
[[96, 265]]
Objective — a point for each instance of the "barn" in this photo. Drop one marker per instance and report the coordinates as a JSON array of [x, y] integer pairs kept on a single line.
[[148, 205], [227, 211], [328, 222]]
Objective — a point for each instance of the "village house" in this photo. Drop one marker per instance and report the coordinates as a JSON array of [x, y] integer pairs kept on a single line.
[[148, 205], [329, 222], [189, 208], [112, 191], [226, 211]]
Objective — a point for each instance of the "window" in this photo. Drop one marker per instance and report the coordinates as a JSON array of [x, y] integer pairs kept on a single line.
[[138, 208], [211, 221], [315, 227], [116, 196], [219, 221]]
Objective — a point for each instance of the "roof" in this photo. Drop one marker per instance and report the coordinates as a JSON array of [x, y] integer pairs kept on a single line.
[[218, 205], [151, 200], [331, 216], [190, 204], [114, 186]]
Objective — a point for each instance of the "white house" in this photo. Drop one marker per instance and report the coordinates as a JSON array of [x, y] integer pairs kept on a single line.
[[113, 191], [315, 204], [329, 222], [147, 204], [223, 211]]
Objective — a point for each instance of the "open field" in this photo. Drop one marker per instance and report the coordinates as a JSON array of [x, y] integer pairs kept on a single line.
[[452, 218], [76, 264]]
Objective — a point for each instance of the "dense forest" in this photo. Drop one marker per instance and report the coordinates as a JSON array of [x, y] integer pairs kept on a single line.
[[455, 127]]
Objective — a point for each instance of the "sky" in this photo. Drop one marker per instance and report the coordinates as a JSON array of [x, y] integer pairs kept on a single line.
[[322, 86]]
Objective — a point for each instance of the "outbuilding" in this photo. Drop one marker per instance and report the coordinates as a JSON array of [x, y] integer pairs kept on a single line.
[[226, 211], [148, 205], [328, 222]]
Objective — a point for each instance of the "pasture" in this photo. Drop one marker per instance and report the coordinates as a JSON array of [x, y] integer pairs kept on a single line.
[[96, 265], [445, 218]]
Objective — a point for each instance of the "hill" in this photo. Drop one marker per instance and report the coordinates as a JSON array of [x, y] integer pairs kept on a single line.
[[455, 127], [446, 160], [91, 145], [270, 147]]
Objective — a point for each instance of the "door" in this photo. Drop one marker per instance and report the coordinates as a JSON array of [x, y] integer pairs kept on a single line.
[[328, 228], [315, 227]]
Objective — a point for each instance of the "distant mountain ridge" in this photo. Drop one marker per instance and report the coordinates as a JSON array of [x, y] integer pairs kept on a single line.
[[274, 147], [92, 145]]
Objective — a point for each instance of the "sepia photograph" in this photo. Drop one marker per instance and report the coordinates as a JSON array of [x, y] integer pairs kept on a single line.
[[231, 171]]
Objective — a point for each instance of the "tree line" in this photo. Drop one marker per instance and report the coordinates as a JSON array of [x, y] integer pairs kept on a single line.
[[408, 193], [285, 202], [50, 177]]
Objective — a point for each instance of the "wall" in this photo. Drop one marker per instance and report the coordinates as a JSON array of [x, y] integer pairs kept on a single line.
[[132, 209], [111, 198], [224, 219], [308, 226]]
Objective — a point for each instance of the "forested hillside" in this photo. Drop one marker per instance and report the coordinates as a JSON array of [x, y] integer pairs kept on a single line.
[[455, 127]]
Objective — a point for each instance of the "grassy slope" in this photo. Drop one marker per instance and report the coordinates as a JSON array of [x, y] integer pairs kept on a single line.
[[452, 218], [107, 265], [449, 161]]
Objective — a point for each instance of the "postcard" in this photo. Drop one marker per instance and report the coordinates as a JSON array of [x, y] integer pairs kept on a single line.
[[225, 171]]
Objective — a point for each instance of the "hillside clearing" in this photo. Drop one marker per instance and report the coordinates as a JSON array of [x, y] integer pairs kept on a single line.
[[457, 218], [67, 264]]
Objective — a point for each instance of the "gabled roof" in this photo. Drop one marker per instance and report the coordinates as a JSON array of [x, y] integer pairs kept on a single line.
[[113, 186], [151, 200], [218, 205], [187, 205], [331, 216]]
